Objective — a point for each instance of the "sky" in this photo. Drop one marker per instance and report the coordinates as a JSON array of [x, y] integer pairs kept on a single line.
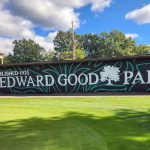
[[40, 20]]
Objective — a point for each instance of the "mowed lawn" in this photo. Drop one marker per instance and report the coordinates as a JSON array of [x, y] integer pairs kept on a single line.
[[75, 123]]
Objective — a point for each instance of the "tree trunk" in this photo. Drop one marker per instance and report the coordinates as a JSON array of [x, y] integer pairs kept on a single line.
[[109, 82]]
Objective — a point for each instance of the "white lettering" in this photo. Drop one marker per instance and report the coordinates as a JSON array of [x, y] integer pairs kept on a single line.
[[30, 81], [75, 79], [90, 78], [60, 79], [83, 82], [3, 82], [10, 82], [128, 75], [138, 77], [49, 80], [21, 81], [148, 81], [39, 80]]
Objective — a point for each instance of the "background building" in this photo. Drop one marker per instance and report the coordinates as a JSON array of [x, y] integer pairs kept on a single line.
[[2, 57]]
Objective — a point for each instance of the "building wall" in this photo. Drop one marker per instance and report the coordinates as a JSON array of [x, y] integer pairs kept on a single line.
[[110, 75]]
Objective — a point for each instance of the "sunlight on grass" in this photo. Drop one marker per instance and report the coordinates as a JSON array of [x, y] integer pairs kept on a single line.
[[144, 138], [87, 123]]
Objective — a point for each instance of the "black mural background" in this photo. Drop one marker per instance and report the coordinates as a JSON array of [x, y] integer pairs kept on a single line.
[[77, 68]]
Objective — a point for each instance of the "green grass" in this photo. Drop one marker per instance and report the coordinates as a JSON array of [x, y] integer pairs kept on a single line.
[[90, 123]]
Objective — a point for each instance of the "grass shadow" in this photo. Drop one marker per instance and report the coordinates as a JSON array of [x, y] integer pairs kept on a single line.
[[126, 130]]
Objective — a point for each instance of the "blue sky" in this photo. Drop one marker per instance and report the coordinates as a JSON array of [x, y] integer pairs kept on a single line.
[[114, 18], [40, 20]]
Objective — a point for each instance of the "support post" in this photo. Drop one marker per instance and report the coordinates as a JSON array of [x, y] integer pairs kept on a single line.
[[73, 43]]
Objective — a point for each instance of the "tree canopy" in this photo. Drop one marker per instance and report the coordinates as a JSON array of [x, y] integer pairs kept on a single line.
[[26, 51], [112, 44], [105, 44]]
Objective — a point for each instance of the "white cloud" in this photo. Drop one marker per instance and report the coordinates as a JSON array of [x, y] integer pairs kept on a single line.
[[12, 25], [100, 5], [141, 16], [18, 19], [46, 13], [132, 35], [6, 45], [2, 2], [51, 36], [54, 14], [46, 42], [72, 3]]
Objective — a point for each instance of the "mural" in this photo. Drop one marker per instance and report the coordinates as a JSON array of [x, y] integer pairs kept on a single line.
[[130, 75]]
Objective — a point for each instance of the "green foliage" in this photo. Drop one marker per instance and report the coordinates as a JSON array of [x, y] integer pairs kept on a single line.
[[63, 46], [7, 59], [115, 43], [142, 50], [63, 41], [67, 55], [26, 51], [80, 54], [106, 44], [91, 45], [49, 56]]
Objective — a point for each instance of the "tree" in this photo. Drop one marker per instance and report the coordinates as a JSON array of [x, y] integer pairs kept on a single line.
[[26, 51], [110, 73], [115, 43], [67, 55], [142, 50], [63, 42], [112, 44], [80, 54], [91, 44], [49, 56], [107, 44], [7, 59]]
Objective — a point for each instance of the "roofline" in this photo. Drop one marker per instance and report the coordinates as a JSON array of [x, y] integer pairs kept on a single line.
[[2, 54], [105, 59]]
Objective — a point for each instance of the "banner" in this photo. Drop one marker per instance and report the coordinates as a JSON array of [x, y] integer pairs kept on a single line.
[[116, 75]]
